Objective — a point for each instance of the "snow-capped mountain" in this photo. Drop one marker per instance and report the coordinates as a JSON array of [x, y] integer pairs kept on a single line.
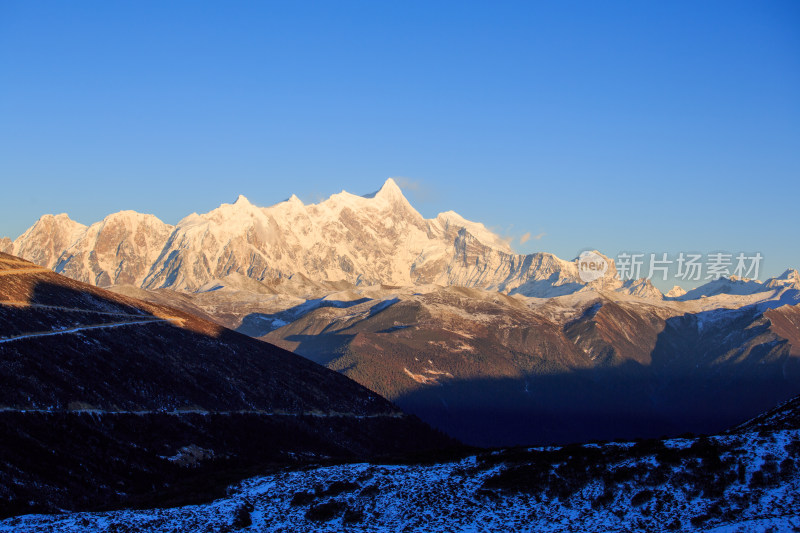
[[675, 292], [732, 285], [787, 282], [45, 242], [363, 240], [117, 250], [378, 238], [642, 288], [789, 279]]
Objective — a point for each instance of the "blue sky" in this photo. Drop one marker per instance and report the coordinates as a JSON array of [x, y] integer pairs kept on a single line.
[[631, 126]]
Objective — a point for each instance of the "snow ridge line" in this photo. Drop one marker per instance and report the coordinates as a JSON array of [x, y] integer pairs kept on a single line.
[[204, 412], [17, 303], [79, 329]]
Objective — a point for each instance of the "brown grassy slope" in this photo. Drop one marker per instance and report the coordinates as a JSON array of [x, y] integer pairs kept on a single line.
[[98, 391]]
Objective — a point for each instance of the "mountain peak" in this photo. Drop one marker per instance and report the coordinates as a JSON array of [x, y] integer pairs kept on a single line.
[[641, 287], [389, 190], [61, 220], [132, 216], [242, 201], [675, 292], [390, 187], [61, 217]]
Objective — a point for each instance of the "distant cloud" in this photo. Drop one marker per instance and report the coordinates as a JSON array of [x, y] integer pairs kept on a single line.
[[417, 189], [525, 238], [407, 183]]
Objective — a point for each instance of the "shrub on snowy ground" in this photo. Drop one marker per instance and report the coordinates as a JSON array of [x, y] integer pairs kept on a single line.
[[326, 511], [369, 491], [641, 497], [241, 517], [302, 498], [338, 487]]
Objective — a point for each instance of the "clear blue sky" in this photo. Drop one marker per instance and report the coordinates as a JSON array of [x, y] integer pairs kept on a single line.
[[638, 126]]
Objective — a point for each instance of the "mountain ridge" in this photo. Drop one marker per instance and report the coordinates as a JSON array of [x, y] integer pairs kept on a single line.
[[376, 238]]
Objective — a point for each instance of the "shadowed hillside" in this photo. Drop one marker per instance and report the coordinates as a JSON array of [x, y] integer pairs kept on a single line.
[[106, 400], [493, 371]]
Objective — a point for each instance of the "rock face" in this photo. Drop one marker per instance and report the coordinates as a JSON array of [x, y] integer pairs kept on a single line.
[[46, 241], [119, 250], [378, 238]]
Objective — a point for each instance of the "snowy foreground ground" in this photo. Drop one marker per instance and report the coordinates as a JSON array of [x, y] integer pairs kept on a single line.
[[734, 483]]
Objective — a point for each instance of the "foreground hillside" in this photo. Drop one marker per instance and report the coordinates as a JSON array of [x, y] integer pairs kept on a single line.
[[108, 401], [742, 481]]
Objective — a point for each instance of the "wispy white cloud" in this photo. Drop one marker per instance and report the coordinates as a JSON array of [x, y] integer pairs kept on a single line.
[[525, 238], [407, 183], [418, 189]]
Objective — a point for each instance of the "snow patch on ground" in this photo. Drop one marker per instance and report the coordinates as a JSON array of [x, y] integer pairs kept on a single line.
[[452, 496]]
